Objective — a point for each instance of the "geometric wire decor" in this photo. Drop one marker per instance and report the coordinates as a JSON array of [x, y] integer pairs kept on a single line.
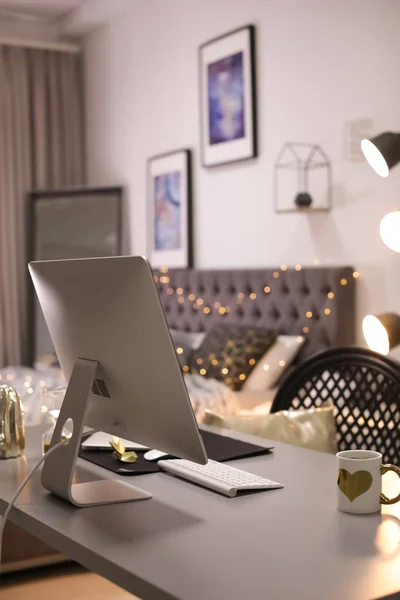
[[365, 392], [302, 178]]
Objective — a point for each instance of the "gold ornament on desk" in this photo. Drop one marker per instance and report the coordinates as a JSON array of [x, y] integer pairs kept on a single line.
[[12, 429], [121, 453]]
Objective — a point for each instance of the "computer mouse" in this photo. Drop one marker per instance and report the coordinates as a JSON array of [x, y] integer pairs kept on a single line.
[[155, 455]]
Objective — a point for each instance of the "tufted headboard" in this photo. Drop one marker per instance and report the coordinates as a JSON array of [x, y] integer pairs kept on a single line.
[[318, 302]]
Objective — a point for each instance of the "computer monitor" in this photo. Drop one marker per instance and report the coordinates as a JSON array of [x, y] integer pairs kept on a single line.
[[113, 344]]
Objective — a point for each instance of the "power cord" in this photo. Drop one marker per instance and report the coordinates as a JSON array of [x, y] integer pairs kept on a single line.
[[21, 487]]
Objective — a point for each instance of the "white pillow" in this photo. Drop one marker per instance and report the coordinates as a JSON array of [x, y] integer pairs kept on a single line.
[[274, 363]]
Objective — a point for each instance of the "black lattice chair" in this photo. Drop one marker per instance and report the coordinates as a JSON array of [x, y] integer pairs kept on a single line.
[[365, 389]]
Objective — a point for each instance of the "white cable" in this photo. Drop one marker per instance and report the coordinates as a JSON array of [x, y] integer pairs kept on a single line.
[[21, 487]]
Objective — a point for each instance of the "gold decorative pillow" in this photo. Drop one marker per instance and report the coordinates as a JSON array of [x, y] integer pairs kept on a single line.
[[229, 352], [312, 428]]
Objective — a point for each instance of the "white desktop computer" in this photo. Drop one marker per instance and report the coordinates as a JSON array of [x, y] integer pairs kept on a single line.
[[108, 328]]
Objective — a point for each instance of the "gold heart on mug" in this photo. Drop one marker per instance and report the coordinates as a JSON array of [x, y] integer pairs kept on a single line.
[[354, 484]]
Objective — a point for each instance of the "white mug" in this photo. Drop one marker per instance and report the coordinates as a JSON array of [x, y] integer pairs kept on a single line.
[[359, 483]]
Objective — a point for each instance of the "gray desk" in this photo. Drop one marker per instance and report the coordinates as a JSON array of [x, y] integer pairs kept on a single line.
[[192, 544]]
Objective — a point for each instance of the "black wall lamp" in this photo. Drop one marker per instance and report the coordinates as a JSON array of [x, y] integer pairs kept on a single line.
[[382, 332], [383, 153]]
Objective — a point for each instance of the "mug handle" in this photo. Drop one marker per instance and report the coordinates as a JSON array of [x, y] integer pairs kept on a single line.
[[384, 469]]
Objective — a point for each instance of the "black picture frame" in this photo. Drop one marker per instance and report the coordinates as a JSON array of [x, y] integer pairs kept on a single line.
[[250, 149], [160, 165], [32, 198]]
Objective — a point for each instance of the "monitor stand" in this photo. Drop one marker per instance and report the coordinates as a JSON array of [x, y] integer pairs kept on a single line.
[[59, 467]]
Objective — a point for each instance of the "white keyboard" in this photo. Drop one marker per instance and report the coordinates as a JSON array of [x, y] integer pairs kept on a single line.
[[218, 476]]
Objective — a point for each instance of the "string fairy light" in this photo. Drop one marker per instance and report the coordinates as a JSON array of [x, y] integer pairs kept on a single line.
[[221, 309]]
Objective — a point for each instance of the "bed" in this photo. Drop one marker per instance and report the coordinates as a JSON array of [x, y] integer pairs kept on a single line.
[[275, 298], [317, 303]]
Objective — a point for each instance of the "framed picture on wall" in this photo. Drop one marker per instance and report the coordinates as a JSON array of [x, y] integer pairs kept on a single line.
[[169, 231], [228, 97]]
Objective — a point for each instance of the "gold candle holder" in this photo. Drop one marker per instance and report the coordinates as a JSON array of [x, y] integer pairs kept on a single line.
[[12, 429]]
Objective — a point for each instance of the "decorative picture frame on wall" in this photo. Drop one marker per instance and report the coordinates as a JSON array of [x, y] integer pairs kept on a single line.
[[169, 210], [228, 115]]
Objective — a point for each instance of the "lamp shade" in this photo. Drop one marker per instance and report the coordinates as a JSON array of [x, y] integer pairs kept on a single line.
[[389, 230], [382, 332], [382, 152]]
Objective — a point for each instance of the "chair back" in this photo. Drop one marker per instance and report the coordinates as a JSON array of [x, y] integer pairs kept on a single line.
[[364, 387]]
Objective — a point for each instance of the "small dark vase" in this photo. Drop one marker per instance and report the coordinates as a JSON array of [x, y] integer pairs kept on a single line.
[[303, 200]]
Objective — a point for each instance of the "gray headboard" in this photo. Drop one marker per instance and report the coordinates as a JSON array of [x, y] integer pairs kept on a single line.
[[316, 301]]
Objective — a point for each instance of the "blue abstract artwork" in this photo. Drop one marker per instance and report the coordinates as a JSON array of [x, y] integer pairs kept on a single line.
[[167, 211], [226, 99]]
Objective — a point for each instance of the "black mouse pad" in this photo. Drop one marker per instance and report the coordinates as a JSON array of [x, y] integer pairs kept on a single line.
[[218, 447]]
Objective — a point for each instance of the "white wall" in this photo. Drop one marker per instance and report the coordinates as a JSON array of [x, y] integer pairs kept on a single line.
[[320, 65]]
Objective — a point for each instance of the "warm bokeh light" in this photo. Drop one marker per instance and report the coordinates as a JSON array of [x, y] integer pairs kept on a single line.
[[374, 158], [390, 230], [375, 334], [387, 540]]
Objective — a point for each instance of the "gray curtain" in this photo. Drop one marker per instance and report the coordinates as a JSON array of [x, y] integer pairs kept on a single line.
[[41, 146]]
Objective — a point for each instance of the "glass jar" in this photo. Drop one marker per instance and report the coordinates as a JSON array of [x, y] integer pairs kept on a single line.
[[51, 402]]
